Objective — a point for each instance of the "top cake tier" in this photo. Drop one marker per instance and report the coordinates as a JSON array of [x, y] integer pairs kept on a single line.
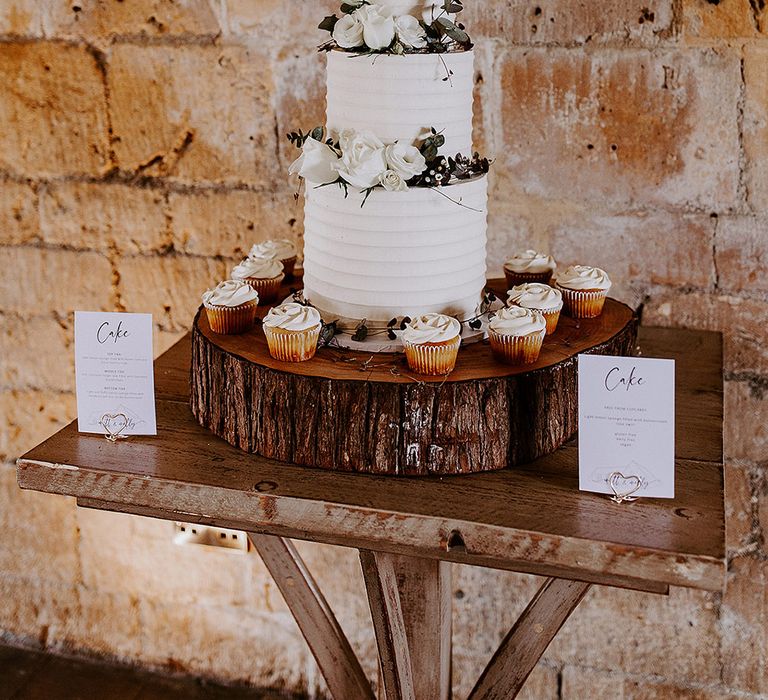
[[401, 97]]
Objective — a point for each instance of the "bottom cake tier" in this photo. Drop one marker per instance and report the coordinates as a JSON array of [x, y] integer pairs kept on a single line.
[[397, 254], [346, 412]]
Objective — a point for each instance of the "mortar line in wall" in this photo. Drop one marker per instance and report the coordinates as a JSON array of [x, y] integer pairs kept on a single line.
[[101, 64], [42, 245], [740, 111], [161, 184], [131, 179], [658, 679], [758, 383], [175, 40], [715, 229], [661, 40]]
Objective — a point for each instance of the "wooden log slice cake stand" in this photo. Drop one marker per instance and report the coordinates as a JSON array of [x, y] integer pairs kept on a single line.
[[364, 412]]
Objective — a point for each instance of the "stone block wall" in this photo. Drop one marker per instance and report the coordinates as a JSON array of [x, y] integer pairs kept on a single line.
[[142, 151]]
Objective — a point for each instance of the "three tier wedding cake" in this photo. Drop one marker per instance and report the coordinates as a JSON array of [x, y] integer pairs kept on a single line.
[[395, 197]]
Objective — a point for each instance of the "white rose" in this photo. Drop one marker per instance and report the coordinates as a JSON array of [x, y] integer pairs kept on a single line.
[[434, 9], [316, 163], [348, 32], [393, 182], [378, 29], [362, 159], [395, 8], [405, 160], [410, 32]]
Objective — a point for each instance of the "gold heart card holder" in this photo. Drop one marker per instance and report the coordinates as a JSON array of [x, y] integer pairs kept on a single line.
[[624, 487], [114, 424]]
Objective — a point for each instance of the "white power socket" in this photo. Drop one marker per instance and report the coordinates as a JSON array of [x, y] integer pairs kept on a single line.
[[191, 533]]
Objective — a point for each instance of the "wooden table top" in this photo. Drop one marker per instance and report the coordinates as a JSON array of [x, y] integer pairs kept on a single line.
[[531, 519]]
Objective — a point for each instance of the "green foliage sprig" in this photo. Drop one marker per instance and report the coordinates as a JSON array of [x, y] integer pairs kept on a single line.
[[442, 33], [439, 171]]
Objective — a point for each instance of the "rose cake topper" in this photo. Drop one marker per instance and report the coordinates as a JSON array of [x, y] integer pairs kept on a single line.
[[397, 27]]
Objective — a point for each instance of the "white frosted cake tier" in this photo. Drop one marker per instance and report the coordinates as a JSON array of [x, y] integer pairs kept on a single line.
[[400, 97], [401, 254]]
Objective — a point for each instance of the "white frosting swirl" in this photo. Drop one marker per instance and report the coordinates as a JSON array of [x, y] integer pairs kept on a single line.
[[431, 328], [580, 277], [258, 268], [293, 317], [281, 249], [536, 296], [531, 261], [230, 293], [515, 320]]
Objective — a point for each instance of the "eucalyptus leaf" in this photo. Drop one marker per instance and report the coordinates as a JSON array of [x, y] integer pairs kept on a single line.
[[361, 332], [328, 24], [318, 133], [453, 31]]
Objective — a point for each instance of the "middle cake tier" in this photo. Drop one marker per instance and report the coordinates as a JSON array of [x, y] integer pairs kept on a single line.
[[402, 97], [400, 254]]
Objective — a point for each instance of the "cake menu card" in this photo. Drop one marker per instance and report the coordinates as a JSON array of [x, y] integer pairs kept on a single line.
[[627, 426], [114, 373]]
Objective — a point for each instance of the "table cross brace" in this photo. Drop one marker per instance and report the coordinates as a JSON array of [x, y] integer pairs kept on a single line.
[[410, 601]]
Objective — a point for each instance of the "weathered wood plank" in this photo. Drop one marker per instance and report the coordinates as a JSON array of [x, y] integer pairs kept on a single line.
[[699, 397], [534, 517], [313, 615], [484, 416], [528, 639], [531, 519], [388, 623], [359, 542], [699, 390], [425, 599]]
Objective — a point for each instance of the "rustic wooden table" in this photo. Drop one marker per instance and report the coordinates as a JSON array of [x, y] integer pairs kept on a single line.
[[531, 519]]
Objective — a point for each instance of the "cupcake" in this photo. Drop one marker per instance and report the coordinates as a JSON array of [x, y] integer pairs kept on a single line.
[[231, 307], [584, 290], [517, 334], [292, 332], [538, 297], [432, 343], [529, 266], [265, 275], [284, 250]]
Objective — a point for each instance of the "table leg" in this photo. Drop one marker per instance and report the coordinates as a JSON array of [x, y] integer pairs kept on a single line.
[[327, 641], [528, 639], [410, 601], [388, 623], [426, 601]]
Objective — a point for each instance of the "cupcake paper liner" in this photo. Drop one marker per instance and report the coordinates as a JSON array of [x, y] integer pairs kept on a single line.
[[517, 349], [551, 316], [231, 320], [433, 359], [583, 303], [292, 346], [515, 278], [268, 289]]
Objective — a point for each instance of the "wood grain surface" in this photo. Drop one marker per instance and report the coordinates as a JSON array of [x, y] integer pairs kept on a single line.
[[531, 519], [326, 640], [380, 577], [528, 639], [352, 411]]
